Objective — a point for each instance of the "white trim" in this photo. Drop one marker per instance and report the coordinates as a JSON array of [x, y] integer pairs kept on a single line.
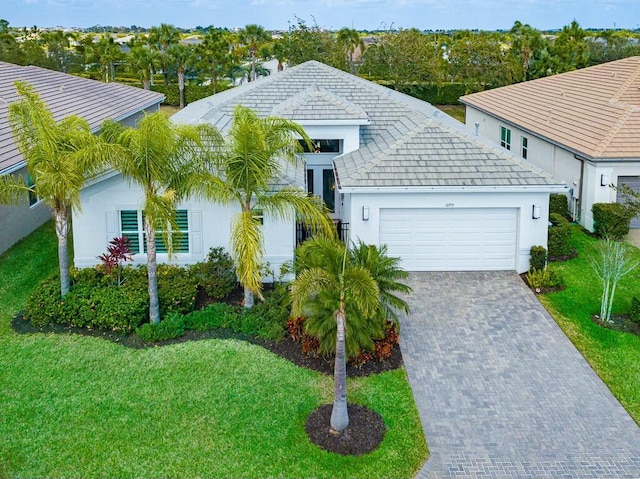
[[454, 189]]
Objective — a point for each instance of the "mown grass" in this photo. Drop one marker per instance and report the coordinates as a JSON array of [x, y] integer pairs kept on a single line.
[[614, 355], [76, 406]]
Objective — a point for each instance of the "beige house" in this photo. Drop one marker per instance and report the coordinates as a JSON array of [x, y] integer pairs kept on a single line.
[[64, 95], [583, 127]]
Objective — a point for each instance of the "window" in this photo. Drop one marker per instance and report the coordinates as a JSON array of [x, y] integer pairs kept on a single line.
[[505, 137], [322, 146], [132, 226], [328, 189], [310, 181], [525, 147], [33, 198]]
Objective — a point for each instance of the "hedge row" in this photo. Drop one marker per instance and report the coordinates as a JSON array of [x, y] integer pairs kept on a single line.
[[192, 92], [611, 220], [445, 94], [559, 239]]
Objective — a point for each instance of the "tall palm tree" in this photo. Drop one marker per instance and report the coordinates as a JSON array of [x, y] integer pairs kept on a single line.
[[161, 38], [350, 40], [253, 37], [105, 52], [342, 286], [181, 56], [143, 62], [160, 157], [60, 157], [252, 159]]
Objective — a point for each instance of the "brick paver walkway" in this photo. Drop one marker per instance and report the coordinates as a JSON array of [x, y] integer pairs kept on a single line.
[[501, 391]]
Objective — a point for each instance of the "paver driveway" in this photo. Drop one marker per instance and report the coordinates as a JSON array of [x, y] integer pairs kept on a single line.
[[502, 392]]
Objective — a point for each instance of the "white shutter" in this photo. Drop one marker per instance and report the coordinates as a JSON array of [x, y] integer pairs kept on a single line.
[[195, 232]]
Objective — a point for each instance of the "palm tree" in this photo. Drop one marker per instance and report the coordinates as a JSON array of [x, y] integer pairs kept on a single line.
[[160, 157], [239, 73], [105, 52], [341, 285], [60, 157], [161, 38], [350, 40], [143, 62], [253, 36], [252, 159], [215, 51], [181, 56]]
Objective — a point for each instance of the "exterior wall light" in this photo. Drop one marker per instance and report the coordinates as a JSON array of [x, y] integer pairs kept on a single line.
[[604, 180], [365, 213], [536, 212]]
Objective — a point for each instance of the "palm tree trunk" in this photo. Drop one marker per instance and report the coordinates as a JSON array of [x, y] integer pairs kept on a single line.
[[249, 300], [61, 217], [253, 66], [339, 413], [146, 84], [181, 87], [152, 273]]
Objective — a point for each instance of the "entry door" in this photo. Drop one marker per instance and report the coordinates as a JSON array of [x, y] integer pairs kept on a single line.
[[322, 182]]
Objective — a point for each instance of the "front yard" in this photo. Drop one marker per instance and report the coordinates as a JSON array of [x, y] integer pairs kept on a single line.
[[614, 355], [77, 406]]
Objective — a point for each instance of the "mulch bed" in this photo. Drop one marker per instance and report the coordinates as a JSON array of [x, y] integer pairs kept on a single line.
[[540, 290], [364, 433], [618, 322], [571, 255], [287, 348]]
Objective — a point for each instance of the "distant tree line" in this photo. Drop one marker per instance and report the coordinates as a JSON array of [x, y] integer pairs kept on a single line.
[[405, 59]]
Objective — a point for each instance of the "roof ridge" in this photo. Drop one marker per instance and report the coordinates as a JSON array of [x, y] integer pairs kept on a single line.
[[622, 120], [628, 83]]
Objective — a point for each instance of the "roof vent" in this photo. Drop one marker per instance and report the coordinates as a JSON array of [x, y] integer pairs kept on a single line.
[[61, 88]]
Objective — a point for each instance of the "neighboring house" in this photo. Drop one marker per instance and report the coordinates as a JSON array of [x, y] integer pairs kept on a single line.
[[64, 95], [583, 127], [392, 169]]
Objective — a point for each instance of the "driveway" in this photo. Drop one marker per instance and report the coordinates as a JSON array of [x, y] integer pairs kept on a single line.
[[501, 391]]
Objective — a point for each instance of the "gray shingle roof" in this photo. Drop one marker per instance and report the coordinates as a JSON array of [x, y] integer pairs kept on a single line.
[[66, 95], [406, 142]]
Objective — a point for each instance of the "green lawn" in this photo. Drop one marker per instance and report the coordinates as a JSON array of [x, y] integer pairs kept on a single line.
[[456, 111], [615, 356], [75, 406]]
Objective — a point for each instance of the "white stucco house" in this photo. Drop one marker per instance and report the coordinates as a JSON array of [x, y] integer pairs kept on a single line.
[[64, 95], [394, 170], [583, 127]]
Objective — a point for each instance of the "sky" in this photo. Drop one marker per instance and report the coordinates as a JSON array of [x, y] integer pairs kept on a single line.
[[330, 14]]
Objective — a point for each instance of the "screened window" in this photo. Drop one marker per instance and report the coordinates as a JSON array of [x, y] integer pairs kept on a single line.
[[505, 137], [132, 226], [525, 147]]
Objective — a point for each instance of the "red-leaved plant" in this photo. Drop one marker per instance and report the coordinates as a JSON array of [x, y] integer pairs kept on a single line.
[[118, 252]]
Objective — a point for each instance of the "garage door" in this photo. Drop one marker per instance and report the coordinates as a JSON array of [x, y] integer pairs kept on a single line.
[[451, 239], [632, 182]]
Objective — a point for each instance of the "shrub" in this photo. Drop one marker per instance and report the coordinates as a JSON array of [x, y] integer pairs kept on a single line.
[[119, 309], [171, 327], [217, 275], [444, 94], [635, 310], [559, 236], [191, 92], [44, 306], [610, 220], [558, 204], [268, 319], [538, 258], [214, 316], [544, 278], [177, 289]]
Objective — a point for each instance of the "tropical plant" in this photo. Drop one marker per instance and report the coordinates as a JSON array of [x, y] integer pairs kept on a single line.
[[161, 38], [181, 56], [253, 37], [215, 53], [614, 263], [143, 62], [59, 158], [239, 73], [362, 329], [350, 41], [105, 52], [255, 153], [118, 253], [332, 286], [160, 157]]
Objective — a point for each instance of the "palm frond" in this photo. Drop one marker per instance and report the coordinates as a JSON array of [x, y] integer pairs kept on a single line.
[[247, 246]]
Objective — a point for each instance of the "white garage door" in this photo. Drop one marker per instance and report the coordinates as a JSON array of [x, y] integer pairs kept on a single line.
[[451, 239]]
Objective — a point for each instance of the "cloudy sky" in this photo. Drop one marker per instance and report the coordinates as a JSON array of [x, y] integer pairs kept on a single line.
[[333, 14]]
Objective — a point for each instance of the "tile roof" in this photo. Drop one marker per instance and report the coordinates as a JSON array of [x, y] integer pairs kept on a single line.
[[594, 111], [66, 95], [405, 142]]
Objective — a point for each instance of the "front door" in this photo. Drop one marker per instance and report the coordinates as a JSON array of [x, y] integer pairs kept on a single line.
[[322, 182]]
